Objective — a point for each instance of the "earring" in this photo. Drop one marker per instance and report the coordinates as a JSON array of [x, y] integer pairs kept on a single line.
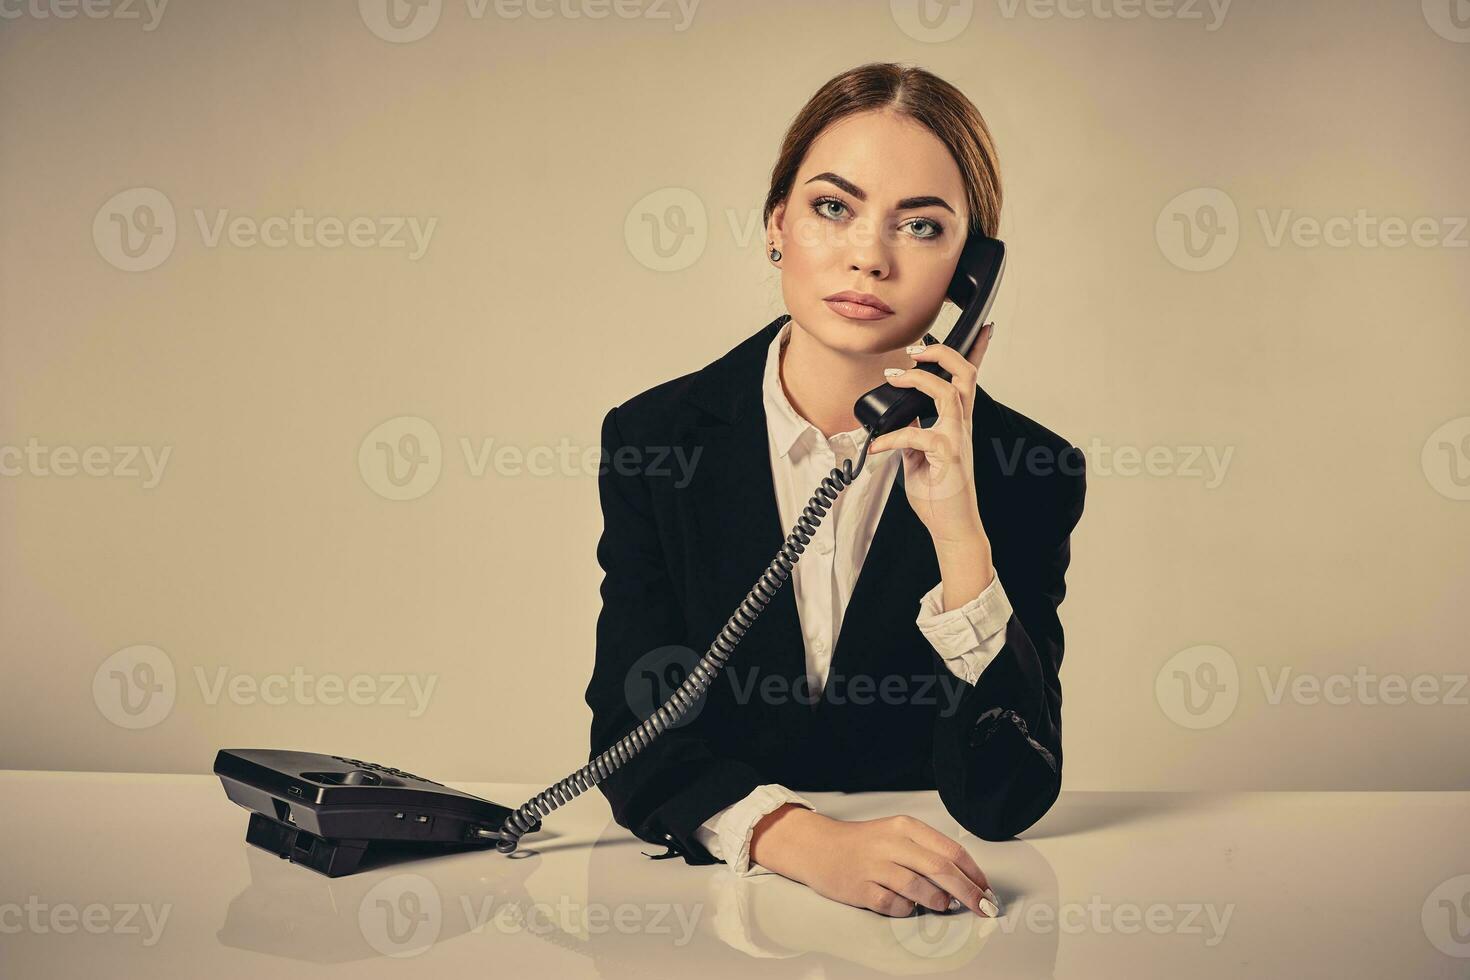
[[775, 253]]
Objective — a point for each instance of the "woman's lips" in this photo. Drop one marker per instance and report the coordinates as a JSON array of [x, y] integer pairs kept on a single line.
[[856, 311]]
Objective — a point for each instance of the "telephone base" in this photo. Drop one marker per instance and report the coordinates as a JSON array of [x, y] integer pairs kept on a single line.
[[340, 857], [333, 858]]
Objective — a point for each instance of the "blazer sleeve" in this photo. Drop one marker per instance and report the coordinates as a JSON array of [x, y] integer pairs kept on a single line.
[[998, 754], [676, 781]]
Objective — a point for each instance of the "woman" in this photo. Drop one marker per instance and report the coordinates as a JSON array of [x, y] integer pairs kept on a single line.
[[839, 685]]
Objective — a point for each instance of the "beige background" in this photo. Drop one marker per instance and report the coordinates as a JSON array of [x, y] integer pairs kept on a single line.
[[544, 149]]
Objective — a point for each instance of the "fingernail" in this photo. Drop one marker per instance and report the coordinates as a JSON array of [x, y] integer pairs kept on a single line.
[[893, 372], [990, 895], [955, 905], [913, 349], [989, 908]]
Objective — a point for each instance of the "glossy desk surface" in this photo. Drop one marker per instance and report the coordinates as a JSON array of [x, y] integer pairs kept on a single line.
[[137, 875]]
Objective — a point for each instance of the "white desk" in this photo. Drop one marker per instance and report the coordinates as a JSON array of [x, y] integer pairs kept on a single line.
[[133, 875]]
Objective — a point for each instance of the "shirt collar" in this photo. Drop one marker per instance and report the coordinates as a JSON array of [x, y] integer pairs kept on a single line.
[[787, 427]]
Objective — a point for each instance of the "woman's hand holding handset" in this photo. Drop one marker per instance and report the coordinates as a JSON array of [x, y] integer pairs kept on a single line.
[[939, 467], [889, 865]]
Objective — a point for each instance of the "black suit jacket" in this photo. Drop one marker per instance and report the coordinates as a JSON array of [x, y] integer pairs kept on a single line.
[[679, 553]]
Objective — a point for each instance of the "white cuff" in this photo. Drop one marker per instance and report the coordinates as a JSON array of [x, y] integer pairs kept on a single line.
[[968, 638], [728, 832]]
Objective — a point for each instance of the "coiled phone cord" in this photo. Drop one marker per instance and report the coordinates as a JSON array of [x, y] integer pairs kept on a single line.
[[525, 819]]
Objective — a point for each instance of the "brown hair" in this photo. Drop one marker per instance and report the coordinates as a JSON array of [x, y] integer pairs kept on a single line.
[[922, 96]]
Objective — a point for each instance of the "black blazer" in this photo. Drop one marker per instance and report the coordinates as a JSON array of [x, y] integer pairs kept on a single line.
[[680, 552]]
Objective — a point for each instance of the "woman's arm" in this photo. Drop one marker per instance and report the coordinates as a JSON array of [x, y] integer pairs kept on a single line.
[[677, 781], [998, 755]]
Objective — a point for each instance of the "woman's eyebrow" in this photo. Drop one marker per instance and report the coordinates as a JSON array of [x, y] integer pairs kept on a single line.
[[927, 200]]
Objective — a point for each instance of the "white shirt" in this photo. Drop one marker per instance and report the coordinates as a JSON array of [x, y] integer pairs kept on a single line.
[[967, 639]]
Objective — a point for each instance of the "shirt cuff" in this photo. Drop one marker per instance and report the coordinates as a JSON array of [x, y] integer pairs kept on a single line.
[[726, 835], [969, 637]]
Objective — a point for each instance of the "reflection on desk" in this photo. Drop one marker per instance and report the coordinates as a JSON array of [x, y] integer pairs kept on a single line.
[[1276, 884]]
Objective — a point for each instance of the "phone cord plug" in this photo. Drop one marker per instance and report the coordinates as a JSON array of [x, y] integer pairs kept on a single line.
[[524, 819]]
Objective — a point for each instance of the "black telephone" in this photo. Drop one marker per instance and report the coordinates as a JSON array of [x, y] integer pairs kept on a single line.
[[323, 811]]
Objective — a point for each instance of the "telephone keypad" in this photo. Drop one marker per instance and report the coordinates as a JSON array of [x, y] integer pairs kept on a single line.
[[360, 764]]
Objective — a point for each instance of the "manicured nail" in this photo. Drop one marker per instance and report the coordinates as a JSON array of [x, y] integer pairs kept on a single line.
[[893, 372], [913, 349], [989, 908], [955, 905]]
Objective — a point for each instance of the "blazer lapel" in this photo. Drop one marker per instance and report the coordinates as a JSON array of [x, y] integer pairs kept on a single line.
[[899, 568], [734, 525]]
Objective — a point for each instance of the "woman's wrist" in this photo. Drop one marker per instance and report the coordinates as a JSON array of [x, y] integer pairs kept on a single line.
[[965, 567], [777, 836]]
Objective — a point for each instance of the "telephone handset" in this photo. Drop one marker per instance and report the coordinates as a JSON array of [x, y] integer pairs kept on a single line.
[[885, 408], [972, 289]]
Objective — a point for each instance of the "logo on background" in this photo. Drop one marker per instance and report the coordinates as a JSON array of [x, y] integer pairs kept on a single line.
[[1198, 687], [400, 21], [135, 230], [135, 687], [1450, 19], [1446, 917], [401, 459], [401, 916], [932, 21], [667, 230], [1446, 459], [1198, 230]]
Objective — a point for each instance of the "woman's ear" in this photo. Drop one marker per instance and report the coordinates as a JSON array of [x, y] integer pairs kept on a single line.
[[774, 234]]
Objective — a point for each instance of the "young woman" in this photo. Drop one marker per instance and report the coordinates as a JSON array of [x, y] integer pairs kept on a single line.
[[917, 644]]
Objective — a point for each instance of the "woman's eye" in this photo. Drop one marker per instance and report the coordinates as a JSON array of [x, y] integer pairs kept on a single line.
[[823, 202], [918, 224]]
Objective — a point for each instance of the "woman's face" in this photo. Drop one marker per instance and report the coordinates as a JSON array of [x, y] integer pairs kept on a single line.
[[877, 208]]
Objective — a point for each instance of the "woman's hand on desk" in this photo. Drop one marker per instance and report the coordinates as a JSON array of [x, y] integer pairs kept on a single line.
[[888, 865]]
